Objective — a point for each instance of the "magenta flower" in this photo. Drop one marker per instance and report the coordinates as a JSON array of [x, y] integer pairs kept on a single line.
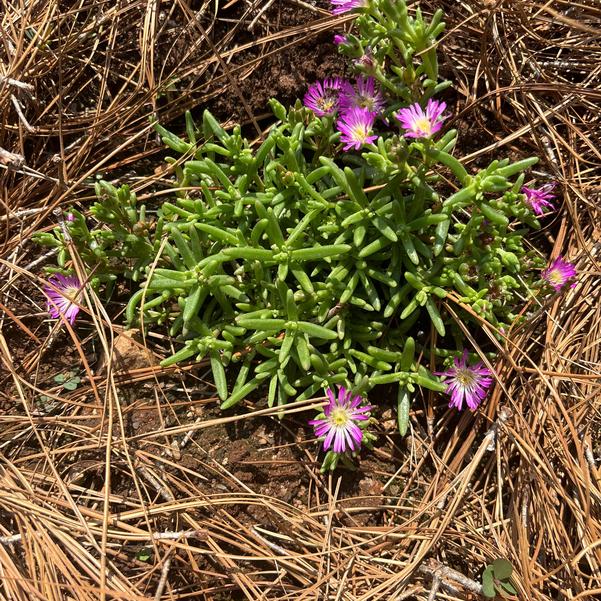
[[559, 273], [323, 97], [340, 39], [344, 6], [355, 126], [469, 382], [61, 296], [364, 94], [338, 424], [538, 198], [419, 123]]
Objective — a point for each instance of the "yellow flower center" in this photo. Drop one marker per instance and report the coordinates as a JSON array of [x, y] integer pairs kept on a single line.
[[360, 133], [70, 292], [326, 103], [366, 102], [555, 277], [423, 125], [339, 416]]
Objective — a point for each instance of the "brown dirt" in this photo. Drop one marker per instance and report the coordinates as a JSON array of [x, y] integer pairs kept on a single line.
[[261, 454], [534, 500], [274, 459]]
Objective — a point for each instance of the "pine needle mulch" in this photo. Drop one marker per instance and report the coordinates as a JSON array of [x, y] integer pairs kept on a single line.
[[93, 509]]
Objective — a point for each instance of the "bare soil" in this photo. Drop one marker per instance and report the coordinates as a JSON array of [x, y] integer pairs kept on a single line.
[[97, 473]]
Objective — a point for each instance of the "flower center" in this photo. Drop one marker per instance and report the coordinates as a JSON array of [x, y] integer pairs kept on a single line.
[[555, 277], [327, 103], [366, 102], [465, 377], [423, 125], [360, 133], [70, 292], [339, 417]]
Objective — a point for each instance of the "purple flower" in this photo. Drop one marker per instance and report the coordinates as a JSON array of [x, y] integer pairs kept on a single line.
[[340, 39], [538, 198], [469, 382], [339, 425], [60, 296], [419, 123], [355, 126], [322, 97], [70, 217], [344, 6], [364, 94], [559, 273]]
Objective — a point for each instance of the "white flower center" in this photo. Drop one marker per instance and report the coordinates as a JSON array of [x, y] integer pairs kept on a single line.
[[465, 377]]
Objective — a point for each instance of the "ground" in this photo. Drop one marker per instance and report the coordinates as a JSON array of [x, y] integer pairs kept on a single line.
[[92, 478]]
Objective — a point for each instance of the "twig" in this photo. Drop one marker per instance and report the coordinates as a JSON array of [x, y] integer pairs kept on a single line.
[[30, 128], [436, 582], [177, 535], [505, 414], [22, 212], [265, 7], [10, 159], [8, 540], [17, 84], [443, 574], [163, 581], [41, 259]]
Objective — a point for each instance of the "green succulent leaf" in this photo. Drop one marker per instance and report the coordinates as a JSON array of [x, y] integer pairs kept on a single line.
[[302, 264], [219, 376], [403, 404]]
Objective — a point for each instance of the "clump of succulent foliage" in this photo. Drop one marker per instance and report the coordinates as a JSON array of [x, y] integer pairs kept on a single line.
[[299, 265]]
